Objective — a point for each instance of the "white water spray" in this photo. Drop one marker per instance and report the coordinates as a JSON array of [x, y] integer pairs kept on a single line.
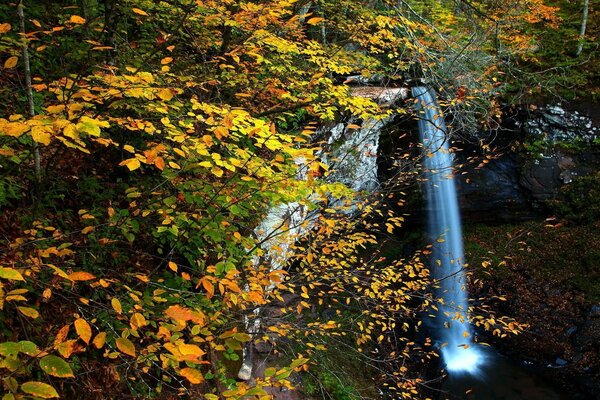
[[444, 229]]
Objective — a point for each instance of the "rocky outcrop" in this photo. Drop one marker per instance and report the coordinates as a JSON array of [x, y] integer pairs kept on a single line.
[[555, 124], [516, 184]]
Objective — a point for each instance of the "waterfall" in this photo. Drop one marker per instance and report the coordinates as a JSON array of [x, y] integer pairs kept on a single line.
[[455, 336]]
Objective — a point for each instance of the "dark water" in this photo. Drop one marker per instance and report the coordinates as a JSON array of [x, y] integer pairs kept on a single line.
[[500, 379]]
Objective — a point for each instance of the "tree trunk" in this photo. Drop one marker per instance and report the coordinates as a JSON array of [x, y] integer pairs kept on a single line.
[[28, 91], [586, 7], [110, 30]]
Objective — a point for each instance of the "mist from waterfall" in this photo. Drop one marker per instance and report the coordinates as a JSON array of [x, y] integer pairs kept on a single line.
[[453, 329]]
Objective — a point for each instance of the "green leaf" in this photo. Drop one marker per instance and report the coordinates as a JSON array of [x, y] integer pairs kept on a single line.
[[11, 274], [39, 389], [9, 349], [242, 337], [256, 391], [56, 366], [29, 348]]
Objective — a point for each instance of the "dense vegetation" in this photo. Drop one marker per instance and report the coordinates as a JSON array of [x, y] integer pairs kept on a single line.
[[142, 142]]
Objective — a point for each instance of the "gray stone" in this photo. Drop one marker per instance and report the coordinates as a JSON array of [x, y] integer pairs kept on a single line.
[[554, 124], [560, 362]]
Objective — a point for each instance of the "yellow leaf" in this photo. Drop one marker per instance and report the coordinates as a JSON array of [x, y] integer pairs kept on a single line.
[[99, 340], [116, 305], [76, 19], [193, 375], [41, 134], [172, 266], [131, 163], [55, 109], [174, 165], [314, 20], [139, 12], [165, 94], [71, 131], [11, 274], [166, 60], [125, 346], [59, 271], [217, 171], [14, 129], [83, 329], [11, 62], [29, 312], [81, 276]]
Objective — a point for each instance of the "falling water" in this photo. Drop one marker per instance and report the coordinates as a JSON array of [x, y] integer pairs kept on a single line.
[[444, 228]]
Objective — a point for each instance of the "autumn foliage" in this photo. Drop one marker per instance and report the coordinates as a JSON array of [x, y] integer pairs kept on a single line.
[[159, 134]]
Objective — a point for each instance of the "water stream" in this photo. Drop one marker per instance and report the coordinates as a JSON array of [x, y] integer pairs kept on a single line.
[[453, 330]]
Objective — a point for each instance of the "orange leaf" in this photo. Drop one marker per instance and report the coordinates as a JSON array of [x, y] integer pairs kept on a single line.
[[193, 375], [209, 287], [179, 313], [137, 321], [99, 340], [81, 276], [67, 348], [61, 335], [159, 163], [139, 12], [76, 19], [11, 62], [315, 20]]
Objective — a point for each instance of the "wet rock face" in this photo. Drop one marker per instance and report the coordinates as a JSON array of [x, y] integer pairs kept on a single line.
[[554, 124], [541, 178], [494, 191]]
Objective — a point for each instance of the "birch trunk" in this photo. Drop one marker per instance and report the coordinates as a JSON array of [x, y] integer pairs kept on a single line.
[[584, 18], [28, 90]]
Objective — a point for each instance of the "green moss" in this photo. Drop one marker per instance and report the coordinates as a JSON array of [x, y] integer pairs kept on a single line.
[[580, 200]]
